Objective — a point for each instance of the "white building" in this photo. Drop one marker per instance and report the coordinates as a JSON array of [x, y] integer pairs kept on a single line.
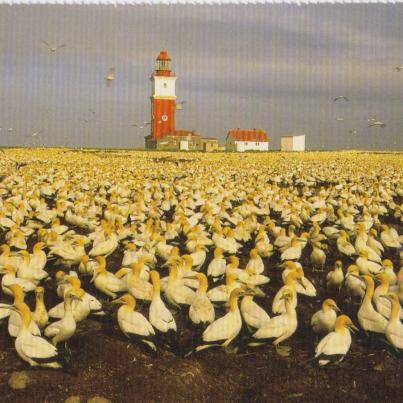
[[293, 142], [247, 140]]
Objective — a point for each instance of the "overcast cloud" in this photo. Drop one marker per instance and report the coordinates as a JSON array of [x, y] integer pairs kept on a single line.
[[276, 67]]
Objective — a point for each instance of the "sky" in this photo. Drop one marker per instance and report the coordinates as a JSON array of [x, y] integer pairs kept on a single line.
[[275, 67]]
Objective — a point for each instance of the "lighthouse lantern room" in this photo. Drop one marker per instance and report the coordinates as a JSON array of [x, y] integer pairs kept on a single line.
[[163, 98]]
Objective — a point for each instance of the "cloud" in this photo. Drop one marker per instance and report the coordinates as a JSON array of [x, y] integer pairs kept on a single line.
[[275, 67]]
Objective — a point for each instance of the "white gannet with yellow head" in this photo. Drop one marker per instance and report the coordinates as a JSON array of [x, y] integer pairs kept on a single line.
[[35, 350], [225, 329], [394, 328], [64, 329], [369, 319], [10, 277], [201, 310], [159, 315], [323, 321], [105, 281], [133, 324], [216, 267], [40, 315], [279, 327], [335, 345], [14, 320], [255, 264]]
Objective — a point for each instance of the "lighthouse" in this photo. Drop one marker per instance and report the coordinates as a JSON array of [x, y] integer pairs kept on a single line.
[[163, 98], [164, 135]]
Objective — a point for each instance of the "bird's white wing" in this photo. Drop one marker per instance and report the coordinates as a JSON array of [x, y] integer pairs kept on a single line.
[[57, 311], [273, 328], [45, 43], [136, 323], [36, 347], [53, 329], [221, 329], [323, 343]]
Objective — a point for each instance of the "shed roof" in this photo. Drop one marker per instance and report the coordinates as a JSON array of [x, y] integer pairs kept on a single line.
[[248, 135]]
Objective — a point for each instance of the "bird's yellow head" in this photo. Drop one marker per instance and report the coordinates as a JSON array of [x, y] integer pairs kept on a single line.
[[60, 275], [344, 322], [5, 249], [85, 259], [39, 246], [330, 304], [353, 269], [218, 252], [203, 283], [126, 299], [131, 246], [253, 253], [8, 269], [74, 281], [338, 264]]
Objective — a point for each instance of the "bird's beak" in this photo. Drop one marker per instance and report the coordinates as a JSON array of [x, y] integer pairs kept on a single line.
[[336, 308], [249, 291], [116, 301], [354, 328]]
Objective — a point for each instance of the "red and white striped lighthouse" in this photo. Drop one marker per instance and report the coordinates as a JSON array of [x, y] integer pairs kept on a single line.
[[163, 98]]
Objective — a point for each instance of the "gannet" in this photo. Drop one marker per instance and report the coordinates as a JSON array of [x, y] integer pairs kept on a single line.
[[323, 321], [201, 310], [335, 345], [134, 324]]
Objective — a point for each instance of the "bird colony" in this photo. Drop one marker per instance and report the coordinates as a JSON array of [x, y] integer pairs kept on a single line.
[[237, 244]]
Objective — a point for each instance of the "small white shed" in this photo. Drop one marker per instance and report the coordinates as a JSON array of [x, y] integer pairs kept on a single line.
[[293, 142], [184, 145]]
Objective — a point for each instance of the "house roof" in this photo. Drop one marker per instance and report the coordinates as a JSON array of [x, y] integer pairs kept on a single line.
[[248, 135]]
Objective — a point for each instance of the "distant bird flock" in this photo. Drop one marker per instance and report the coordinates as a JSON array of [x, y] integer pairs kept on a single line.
[[233, 241]]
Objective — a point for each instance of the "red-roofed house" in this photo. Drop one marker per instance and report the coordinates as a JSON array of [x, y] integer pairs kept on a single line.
[[247, 140]]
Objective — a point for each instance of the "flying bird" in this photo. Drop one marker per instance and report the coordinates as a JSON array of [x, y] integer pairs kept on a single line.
[[10, 129], [340, 97], [179, 105], [377, 123], [353, 131], [110, 76], [399, 68], [141, 126], [339, 119], [51, 48]]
